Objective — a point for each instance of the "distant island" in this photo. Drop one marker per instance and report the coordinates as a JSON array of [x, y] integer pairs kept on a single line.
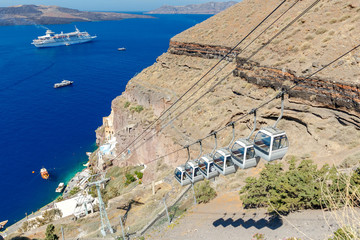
[[40, 14], [205, 8]]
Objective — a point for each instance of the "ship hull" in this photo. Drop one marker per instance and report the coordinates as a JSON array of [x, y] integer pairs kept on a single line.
[[44, 173], [64, 42]]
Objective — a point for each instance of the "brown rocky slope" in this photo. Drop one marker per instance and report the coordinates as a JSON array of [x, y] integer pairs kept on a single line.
[[321, 117]]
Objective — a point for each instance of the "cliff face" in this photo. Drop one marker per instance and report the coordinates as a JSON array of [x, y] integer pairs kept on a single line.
[[321, 115]]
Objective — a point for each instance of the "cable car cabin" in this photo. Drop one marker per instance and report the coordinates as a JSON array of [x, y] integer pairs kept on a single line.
[[271, 143], [223, 162], [207, 168], [243, 154], [193, 172], [181, 177]]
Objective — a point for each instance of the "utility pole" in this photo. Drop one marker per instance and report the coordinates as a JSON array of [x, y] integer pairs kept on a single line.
[[105, 223]]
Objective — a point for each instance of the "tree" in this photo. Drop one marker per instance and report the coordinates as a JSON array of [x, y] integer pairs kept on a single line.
[[49, 234]]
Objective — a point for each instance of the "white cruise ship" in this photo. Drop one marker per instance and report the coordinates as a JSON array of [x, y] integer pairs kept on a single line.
[[53, 40]]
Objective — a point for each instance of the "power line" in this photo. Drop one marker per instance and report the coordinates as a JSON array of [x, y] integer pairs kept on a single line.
[[267, 43], [283, 29], [258, 107], [242, 50], [224, 57]]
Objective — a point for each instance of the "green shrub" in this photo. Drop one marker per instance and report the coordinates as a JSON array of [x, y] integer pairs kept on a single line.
[[129, 178], [137, 109], [74, 191], [59, 198], [49, 215], [204, 192], [50, 235], [139, 175], [300, 187], [127, 104], [258, 236], [343, 234]]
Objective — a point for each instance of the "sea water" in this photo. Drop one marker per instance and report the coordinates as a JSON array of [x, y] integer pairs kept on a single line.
[[54, 128]]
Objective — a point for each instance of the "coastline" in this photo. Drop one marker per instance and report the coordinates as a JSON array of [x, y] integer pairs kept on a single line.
[[68, 179]]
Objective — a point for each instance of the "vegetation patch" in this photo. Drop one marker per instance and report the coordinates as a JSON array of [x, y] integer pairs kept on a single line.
[[137, 108], [74, 191], [126, 104], [302, 186], [120, 180], [204, 192], [50, 233]]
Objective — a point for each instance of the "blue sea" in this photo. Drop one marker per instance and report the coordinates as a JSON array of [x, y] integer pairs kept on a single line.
[[54, 128]]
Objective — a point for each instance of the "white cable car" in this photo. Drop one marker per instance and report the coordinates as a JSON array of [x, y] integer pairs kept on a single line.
[[243, 152], [207, 168], [270, 142], [222, 158], [193, 171], [206, 163], [181, 176], [192, 168]]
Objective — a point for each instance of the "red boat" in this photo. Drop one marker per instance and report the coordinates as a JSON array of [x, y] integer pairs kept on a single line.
[[44, 173]]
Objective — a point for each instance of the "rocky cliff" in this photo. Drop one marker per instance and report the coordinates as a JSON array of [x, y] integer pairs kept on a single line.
[[321, 115], [39, 14]]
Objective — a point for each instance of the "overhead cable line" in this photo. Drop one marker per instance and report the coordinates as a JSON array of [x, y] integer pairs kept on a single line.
[[241, 51], [283, 91], [283, 29], [267, 43], [224, 57]]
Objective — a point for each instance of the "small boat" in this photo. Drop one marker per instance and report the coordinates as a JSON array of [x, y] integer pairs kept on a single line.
[[63, 83], [44, 173], [60, 188], [121, 49], [2, 224]]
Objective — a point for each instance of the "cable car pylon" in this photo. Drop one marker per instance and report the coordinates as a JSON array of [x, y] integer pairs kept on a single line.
[[105, 223]]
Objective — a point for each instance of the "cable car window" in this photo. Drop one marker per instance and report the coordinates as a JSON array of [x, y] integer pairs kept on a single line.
[[197, 172], [188, 169], [263, 141], [229, 162], [284, 141], [178, 174], [211, 168], [238, 152], [203, 165], [280, 142], [218, 159], [250, 153]]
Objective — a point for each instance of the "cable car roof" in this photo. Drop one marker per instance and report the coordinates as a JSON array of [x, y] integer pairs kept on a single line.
[[273, 131], [224, 151], [207, 158], [244, 142], [192, 163], [181, 167]]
